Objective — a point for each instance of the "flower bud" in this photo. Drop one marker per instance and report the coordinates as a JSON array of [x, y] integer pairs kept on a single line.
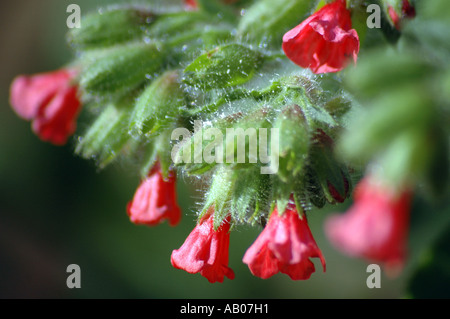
[[106, 137], [226, 65], [110, 27], [398, 11], [157, 105], [293, 142], [122, 69]]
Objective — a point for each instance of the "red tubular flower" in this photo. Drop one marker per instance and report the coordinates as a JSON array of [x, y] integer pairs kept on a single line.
[[375, 227], [155, 200], [324, 42], [285, 245], [394, 17], [205, 251], [407, 11], [50, 101]]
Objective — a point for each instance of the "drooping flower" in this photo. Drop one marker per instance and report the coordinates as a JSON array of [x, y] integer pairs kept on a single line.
[[155, 200], [285, 245], [376, 226], [324, 42], [50, 100], [407, 12], [205, 250]]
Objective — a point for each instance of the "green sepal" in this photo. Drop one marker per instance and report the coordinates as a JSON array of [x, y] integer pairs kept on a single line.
[[219, 195], [149, 158], [313, 191], [163, 149], [250, 194], [110, 27], [309, 97], [224, 66], [121, 69], [158, 105]]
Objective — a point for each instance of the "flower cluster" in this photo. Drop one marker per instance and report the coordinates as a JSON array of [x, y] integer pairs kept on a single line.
[[376, 225]]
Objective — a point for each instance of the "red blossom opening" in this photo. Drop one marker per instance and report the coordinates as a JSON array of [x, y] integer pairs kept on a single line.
[[50, 101], [324, 42], [205, 250], [285, 245], [155, 200]]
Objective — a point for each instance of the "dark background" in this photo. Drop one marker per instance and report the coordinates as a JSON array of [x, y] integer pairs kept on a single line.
[[57, 209]]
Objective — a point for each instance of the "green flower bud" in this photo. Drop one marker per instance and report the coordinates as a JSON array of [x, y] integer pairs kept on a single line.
[[158, 105], [225, 66], [110, 27], [106, 137], [293, 142], [122, 69]]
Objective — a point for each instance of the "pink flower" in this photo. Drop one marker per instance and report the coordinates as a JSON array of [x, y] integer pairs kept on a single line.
[[155, 200], [285, 245], [205, 250], [376, 226], [50, 101], [324, 42]]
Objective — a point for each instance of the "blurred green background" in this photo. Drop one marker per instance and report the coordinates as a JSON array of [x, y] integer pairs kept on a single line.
[[57, 209]]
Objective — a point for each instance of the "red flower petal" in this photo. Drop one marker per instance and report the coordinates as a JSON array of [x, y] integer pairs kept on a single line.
[[155, 200], [285, 245], [324, 42], [29, 94], [56, 121], [205, 251], [50, 101]]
